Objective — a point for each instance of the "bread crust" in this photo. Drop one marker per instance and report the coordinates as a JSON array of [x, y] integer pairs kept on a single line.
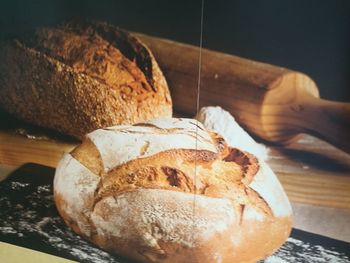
[[40, 85], [173, 202]]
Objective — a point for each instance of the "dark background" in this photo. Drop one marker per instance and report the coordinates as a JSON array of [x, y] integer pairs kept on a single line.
[[310, 36]]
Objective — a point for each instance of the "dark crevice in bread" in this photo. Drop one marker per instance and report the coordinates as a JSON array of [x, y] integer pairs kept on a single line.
[[247, 161], [88, 53], [178, 178], [131, 47], [219, 142], [241, 212], [168, 174]]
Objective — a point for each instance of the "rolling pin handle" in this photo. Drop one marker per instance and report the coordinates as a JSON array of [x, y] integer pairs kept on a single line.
[[327, 120]]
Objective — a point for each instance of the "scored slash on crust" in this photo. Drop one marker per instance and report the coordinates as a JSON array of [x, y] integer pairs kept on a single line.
[[149, 173]]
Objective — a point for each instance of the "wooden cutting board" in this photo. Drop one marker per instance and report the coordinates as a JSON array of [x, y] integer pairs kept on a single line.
[[310, 170]]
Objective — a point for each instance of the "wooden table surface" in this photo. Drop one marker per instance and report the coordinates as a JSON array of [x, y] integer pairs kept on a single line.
[[310, 170], [315, 175], [313, 172]]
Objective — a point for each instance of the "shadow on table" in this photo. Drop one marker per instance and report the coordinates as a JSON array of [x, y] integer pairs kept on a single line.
[[317, 160]]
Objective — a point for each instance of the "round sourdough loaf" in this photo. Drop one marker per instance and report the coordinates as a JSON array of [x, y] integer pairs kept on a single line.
[[78, 77], [152, 192]]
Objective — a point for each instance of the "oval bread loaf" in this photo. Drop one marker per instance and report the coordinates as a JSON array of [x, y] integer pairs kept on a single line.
[[78, 77], [152, 192]]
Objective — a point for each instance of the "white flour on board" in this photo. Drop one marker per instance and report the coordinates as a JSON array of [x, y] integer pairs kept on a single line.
[[305, 252]]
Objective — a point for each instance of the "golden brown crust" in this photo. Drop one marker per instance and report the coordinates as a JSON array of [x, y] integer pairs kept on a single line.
[[177, 205], [89, 156], [164, 171], [80, 77], [253, 239]]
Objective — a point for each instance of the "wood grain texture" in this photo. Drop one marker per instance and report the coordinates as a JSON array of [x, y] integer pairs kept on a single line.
[[271, 102], [313, 172], [16, 150], [310, 170]]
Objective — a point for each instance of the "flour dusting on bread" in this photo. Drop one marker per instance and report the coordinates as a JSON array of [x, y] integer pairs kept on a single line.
[[118, 145], [168, 190], [163, 215], [77, 184]]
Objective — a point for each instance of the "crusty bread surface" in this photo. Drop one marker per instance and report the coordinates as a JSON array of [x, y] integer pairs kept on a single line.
[[167, 190], [78, 77]]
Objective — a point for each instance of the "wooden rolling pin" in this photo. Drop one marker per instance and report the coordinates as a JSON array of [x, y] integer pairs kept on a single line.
[[271, 102]]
